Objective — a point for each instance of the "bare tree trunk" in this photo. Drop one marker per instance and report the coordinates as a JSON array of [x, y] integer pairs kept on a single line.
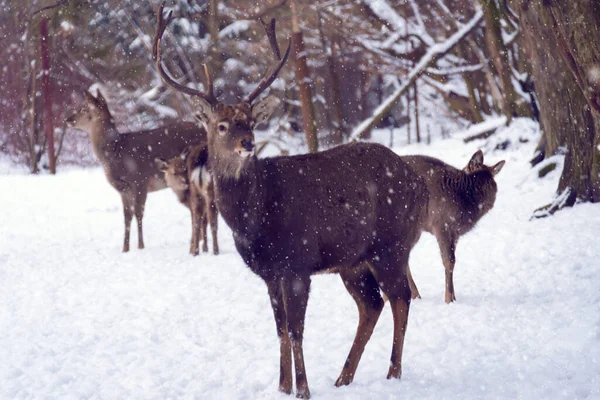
[[334, 106], [500, 56], [558, 49], [47, 95], [33, 135], [417, 127], [302, 80]]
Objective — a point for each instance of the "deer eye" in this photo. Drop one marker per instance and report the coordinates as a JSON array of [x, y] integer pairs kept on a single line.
[[222, 127], [252, 123]]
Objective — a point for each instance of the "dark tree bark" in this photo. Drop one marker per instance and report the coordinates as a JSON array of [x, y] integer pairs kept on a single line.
[[302, 80], [500, 56], [561, 39], [47, 94]]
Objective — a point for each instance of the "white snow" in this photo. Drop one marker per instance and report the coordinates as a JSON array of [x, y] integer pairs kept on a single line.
[[79, 319]]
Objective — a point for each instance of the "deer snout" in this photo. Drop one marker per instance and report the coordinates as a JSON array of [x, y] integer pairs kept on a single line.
[[245, 147], [70, 121]]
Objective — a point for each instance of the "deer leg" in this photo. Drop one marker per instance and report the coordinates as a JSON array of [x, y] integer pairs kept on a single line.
[[295, 293], [447, 247], [195, 242], [213, 216], [128, 215], [414, 292], [390, 270], [363, 288], [140, 204], [204, 234], [285, 345]]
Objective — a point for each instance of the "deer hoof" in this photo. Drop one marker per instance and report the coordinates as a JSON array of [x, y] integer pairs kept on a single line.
[[450, 297], [303, 394], [343, 380], [285, 389], [394, 372]]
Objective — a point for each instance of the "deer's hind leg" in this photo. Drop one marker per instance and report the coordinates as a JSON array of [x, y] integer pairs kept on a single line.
[[128, 207], [390, 268], [414, 291], [363, 288], [140, 205], [213, 218]]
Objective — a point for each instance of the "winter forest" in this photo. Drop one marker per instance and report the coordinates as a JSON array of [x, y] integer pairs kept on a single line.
[[354, 152]]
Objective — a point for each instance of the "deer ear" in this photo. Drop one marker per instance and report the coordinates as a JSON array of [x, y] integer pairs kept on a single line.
[[497, 168], [476, 161], [100, 99], [202, 110], [161, 164], [90, 98], [262, 110]]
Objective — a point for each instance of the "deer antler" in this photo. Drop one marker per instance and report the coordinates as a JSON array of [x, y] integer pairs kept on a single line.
[[157, 57], [273, 71]]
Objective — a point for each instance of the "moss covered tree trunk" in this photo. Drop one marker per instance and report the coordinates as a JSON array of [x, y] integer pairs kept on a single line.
[[561, 39]]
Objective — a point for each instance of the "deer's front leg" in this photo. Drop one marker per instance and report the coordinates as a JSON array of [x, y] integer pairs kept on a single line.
[[126, 199], [295, 293], [140, 205], [447, 245], [285, 346], [213, 217], [195, 242]]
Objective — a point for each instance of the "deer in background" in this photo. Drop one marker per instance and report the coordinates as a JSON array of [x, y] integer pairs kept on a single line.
[[190, 179], [457, 201], [356, 210], [128, 158]]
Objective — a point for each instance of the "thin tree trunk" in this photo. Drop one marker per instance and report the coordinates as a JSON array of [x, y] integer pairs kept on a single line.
[[47, 95], [500, 56], [417, 127], [303, 80], [33, 137]]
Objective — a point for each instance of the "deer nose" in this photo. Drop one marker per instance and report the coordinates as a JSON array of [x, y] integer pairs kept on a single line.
[[248, 144]]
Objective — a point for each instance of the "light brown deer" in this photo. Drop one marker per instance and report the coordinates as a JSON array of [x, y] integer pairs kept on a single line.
[[457, 201], [128, 158], [356, 210], [189, 177]]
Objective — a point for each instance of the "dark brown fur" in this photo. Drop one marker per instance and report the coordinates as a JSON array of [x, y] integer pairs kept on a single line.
[[128, 158], [357, 210], [457, 201], [188, 176]]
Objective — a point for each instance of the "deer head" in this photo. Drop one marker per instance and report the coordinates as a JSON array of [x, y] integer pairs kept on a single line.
[[175, 170], [93, 111], [230, 128], [476, 164]]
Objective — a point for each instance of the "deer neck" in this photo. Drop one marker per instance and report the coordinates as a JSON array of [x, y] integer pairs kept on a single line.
[[239, 194], [102, 134]]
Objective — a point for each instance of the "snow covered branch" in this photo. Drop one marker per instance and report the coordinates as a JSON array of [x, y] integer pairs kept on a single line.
[[433, 54]]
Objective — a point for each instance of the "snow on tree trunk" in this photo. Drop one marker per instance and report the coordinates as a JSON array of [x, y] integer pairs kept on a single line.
[[564, 55]]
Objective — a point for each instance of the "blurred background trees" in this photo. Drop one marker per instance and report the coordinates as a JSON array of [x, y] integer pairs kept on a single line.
[[520, 59]]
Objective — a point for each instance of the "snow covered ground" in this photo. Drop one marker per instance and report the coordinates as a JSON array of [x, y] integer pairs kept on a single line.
[[78, 319]]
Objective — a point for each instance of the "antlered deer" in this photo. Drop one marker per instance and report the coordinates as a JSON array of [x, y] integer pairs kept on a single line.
[[190, 179], [457, 201], [128, 158], [356, 210]]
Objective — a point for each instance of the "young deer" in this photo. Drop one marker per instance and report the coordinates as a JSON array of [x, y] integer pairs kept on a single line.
[[457, 200], [356, 210], [190, 179], [128, 158]]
